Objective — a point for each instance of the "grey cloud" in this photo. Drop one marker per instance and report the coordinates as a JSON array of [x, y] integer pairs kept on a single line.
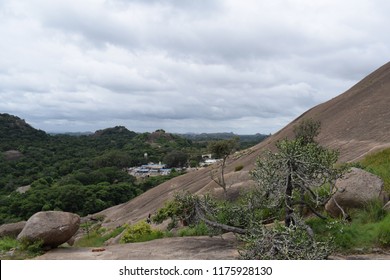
[[228, 65]]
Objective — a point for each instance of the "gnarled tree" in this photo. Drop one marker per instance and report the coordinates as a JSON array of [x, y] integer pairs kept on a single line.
[[299, 175]]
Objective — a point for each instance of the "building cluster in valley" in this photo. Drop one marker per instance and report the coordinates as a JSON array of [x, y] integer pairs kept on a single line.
[[156, 169], [150, 169]]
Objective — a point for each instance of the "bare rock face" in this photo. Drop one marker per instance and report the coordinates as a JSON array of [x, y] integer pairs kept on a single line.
[[354, 190], [11, 230], [53, 227], [13, 155]]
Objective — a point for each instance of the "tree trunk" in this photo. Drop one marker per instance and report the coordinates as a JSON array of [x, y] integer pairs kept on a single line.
[[223, 183], [289, 202], [302, 205]]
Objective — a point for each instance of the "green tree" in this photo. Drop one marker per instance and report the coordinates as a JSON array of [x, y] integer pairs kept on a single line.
[[295, 176], [297, 173], [115, 158], [176, 159], [307, 130]]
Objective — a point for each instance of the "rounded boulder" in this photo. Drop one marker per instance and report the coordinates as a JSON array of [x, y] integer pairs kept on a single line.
[[354, 190], [52, 227]]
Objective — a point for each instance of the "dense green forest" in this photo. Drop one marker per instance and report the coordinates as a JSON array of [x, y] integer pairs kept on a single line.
[[84, 173]]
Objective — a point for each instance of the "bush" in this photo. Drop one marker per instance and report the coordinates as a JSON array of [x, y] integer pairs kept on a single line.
[[32, 247], [140, 232], [238, 168]]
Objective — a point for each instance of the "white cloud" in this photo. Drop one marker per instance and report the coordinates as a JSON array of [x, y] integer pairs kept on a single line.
[[183, 66]]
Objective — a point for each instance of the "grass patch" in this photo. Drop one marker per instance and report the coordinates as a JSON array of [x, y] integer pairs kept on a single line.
[[383, 231], [13, 249], [379, 164], [155, 234], [8, 243], [98, 237], [369, 228], [371, 213], [195, 230]]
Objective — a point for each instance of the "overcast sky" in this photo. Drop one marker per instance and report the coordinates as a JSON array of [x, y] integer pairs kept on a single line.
[[243, 66]]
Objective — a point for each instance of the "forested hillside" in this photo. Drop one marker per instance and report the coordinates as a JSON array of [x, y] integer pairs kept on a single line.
[[82, 174], [246, 141]]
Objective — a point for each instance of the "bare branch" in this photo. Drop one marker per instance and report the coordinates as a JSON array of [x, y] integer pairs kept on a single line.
[[345, 215]]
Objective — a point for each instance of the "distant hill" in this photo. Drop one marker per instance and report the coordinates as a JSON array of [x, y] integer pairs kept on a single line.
[[246, 141], [83, 133], [161, 136], [356, 123], [114, 131]]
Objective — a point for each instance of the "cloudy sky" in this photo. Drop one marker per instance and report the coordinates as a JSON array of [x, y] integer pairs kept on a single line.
[[243, 66]]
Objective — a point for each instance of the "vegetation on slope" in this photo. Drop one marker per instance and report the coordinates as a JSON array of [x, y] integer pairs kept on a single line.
[[368, 228], [13, 249]]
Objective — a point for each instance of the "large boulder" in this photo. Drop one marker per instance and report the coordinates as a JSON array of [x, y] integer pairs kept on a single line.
[[354, 190], [52, 227], [12, 230]]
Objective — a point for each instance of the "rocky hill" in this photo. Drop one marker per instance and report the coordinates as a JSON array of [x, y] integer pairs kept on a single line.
[[16, 131], [355, 123], [114, 131]]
